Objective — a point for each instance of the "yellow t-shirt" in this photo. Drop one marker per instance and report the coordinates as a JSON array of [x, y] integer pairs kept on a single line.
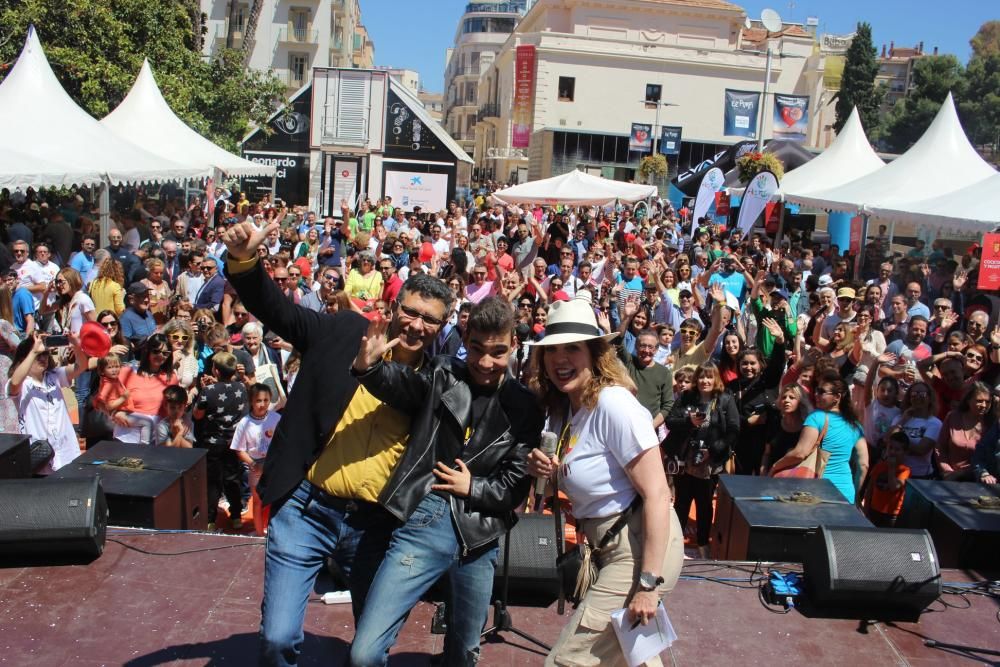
[[363, 449]]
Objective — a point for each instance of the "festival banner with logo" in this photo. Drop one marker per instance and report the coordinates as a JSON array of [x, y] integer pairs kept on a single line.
[[741, 113], [524, 95], [712, 182], [641, 137], [791, 117], [758, 193], [409, 189], [989, 264], [670, 140]]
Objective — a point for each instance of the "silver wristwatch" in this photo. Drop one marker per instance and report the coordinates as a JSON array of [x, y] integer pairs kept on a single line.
[[649, 581]]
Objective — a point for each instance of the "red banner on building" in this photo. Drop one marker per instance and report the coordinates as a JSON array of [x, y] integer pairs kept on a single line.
[[524, 96], [856, 226], [989, 264]]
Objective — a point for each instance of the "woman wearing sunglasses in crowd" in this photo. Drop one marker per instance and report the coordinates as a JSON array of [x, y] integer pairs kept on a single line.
[[145, 385], [185, 363]]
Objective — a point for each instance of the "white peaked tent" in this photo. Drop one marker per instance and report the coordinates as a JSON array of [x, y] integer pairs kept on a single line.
[[145, 118], [974, 208], [941, 162], [849, 157], [18, 170], [41, 121], [575, 188]]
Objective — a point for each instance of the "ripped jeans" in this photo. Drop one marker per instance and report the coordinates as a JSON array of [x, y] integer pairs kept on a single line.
[[420, 551]]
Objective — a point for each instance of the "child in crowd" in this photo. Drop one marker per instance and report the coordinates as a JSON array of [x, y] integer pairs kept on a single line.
[[683, 379], [176, 428], [887, 482], [221, 404], [112, 395], [250, 442]]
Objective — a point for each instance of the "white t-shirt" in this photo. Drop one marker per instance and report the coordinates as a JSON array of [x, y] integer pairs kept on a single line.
[[916, 429], [78, 307], [253, 435], [603, 442], [877, 421], [33, 273]]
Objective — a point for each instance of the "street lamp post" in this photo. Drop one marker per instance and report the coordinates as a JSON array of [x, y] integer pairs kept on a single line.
[[655, 143]]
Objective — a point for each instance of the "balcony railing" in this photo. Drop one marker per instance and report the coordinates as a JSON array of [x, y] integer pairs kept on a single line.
[[470, 70], [222, 31], [491, 110], [298, 35], [495, 7]]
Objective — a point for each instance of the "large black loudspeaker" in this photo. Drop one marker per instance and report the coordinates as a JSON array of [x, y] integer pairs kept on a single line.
[[15, 456], [168, 492], [769, 519], [963, 519], [532, 556], [872, 568], [61, 519]]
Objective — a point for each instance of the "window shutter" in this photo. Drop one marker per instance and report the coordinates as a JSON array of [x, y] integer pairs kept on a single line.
[[352, 108]]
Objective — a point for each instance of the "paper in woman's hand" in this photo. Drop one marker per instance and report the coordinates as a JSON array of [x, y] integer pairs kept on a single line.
[[642, 642]]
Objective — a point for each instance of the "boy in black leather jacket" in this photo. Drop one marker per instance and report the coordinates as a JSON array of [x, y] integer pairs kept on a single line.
[[461, 476]]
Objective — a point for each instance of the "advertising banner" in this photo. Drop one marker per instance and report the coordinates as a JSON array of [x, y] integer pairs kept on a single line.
[[741, 113], [409, 189], [721, 204], [989, 264], [641, 137], [712, 182], [856, 227], [524, 95], [791, 117], [670, 140], [758, 193]]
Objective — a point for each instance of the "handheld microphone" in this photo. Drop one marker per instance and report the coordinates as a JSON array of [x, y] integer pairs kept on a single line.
[[548, 444]]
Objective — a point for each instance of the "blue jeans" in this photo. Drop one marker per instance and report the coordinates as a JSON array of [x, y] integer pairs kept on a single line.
[[309, 526], [420, 551]]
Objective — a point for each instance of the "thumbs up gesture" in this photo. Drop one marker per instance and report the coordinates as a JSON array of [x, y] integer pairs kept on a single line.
[[242, 240]]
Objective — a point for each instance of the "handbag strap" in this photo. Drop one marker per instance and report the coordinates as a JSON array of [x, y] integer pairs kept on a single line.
[[822, 433], [617, 526]]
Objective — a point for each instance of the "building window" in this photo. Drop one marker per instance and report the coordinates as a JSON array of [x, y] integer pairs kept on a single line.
[[567, 86], [298, 67], [653, 91]]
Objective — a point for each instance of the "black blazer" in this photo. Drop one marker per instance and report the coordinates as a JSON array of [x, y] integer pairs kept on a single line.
[[323, 387]]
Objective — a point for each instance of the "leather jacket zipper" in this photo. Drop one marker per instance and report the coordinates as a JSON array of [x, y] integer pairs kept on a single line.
[[451, 500], [392, 494]]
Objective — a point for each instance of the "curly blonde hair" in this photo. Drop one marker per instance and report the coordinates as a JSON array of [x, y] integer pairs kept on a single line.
[[607, 371]]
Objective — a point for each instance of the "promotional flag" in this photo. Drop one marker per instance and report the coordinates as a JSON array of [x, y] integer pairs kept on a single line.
[[856, 227], [758, 193], [741, 113], [722, 204], [989, 264], [641, 137], [712, 182], [670, 140], [791, 117], [524, 96]]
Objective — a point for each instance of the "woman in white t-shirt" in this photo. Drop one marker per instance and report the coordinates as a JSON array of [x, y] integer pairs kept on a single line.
[[72, 305], [922, 428], [608, 463]]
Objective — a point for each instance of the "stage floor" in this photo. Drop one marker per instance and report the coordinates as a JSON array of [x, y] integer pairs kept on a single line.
[[203, 608]]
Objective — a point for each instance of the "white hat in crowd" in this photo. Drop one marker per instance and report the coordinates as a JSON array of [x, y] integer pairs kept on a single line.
[[572, 321]]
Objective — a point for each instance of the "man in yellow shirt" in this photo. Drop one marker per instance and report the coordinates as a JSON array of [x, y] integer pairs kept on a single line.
[[335, 446]]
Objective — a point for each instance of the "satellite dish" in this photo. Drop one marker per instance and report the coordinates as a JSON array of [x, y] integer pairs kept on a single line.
[[747, 23], [771, 20]]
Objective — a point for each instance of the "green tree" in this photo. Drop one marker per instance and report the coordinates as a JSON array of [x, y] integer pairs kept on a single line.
[[857, 85], [933, 78], [986, 41], [96, 47], [979, 107]]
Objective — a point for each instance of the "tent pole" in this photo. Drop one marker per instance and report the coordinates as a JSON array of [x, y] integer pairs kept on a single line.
[[781, 223], [864, 244], [892, 235], [274, 187], [105, 212]]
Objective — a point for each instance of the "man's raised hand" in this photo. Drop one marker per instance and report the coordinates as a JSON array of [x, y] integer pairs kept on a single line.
[[373, 345], [243, 239]]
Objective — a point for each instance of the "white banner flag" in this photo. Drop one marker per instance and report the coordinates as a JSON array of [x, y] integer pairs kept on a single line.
[[760, 191], [712, 182]]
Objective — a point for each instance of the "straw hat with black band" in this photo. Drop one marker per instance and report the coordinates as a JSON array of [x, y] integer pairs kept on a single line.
[[573, 321]]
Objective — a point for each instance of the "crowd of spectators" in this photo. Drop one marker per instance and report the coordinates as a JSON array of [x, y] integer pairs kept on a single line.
[[746, 353]]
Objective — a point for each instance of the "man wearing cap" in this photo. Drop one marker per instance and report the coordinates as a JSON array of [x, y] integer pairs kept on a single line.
[[845, 312], [327, 463], [137, 323], [772, 304]]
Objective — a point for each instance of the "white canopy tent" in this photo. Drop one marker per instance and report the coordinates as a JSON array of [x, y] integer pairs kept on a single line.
[[941, 162], [18, 170], [45, 124], [849, 157], [974, 208], [145, 118], [575, 188]]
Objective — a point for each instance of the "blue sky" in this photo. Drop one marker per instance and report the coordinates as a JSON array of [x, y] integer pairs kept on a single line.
[[414, 34]]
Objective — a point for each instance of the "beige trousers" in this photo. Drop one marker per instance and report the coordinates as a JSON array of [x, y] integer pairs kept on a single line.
[[589, 639]]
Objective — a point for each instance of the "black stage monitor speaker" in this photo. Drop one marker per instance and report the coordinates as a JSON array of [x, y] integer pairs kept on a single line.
[[15, 456], [872, 569], [532, 556], [57, 519], [963, 519]]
